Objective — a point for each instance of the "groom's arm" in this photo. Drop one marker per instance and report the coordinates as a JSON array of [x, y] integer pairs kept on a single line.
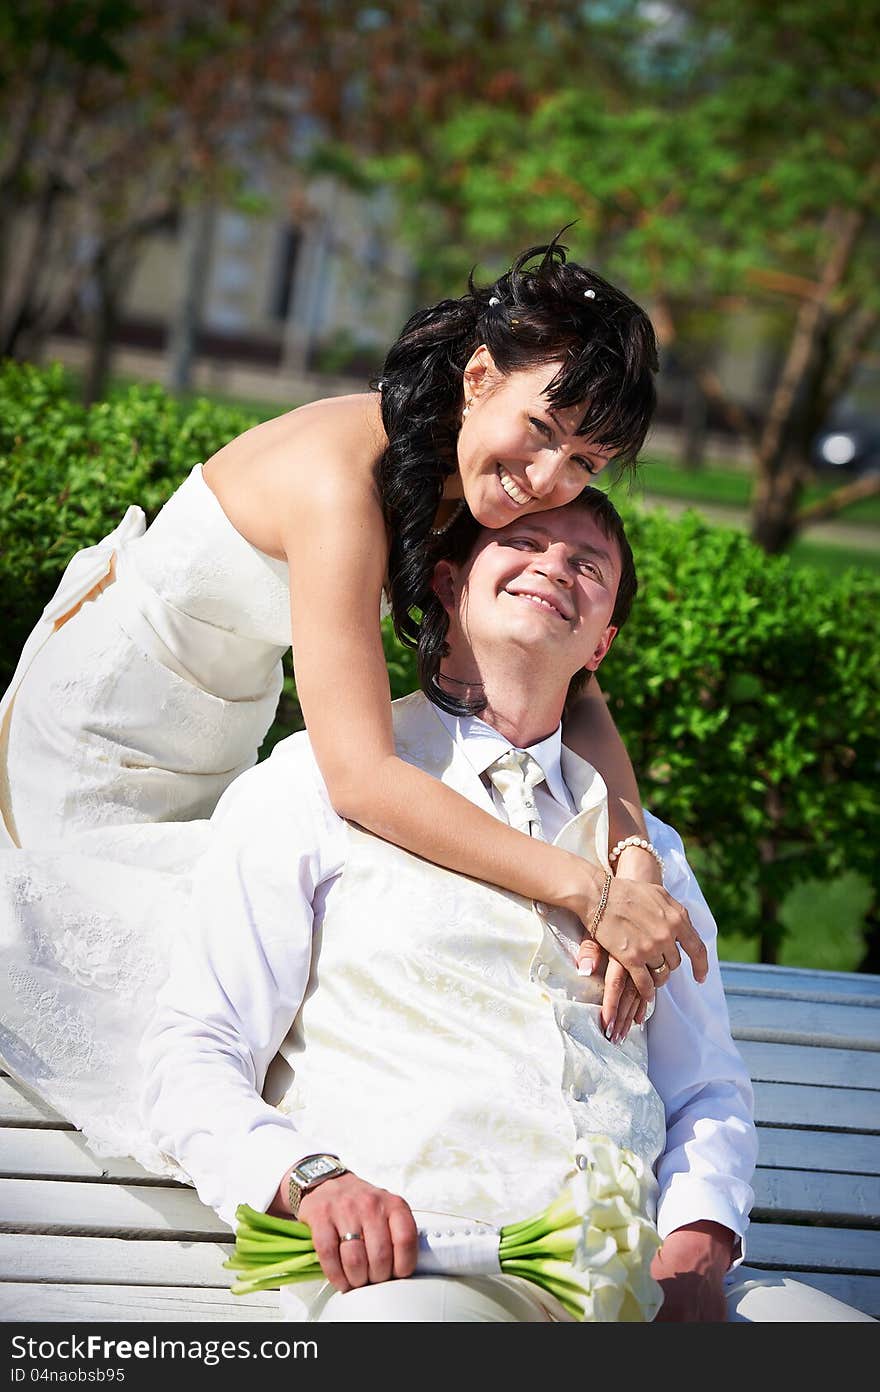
[[239, 974], [706, 1169]]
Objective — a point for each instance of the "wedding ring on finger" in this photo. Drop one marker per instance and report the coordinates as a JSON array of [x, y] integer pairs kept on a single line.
[[351, 1237], [660, 969]]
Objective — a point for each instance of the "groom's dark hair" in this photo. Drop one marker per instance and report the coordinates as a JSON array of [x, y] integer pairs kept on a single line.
[[458, 544]]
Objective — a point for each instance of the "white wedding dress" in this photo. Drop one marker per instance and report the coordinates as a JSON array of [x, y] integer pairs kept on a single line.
[[126, 719]]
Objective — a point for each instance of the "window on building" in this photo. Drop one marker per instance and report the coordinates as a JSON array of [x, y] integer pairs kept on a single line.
[[285, 270]]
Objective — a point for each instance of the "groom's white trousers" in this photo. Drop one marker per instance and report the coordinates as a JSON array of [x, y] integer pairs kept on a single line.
[[753, 1297]]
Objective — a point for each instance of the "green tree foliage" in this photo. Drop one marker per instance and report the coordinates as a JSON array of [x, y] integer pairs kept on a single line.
[[746, 691], [118, 116], [726, 162]]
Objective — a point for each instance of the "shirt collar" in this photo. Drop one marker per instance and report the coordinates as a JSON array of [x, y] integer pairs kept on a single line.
[[482, 745]]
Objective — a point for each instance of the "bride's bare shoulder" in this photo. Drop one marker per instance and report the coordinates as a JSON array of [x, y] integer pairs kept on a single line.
[[260, 476], [352, 424]]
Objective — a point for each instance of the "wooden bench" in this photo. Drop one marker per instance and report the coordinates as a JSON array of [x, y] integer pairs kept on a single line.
[[84, 1239]]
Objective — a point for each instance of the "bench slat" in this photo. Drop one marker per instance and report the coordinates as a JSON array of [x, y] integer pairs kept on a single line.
[[116, 1209], [788, 1021], [19, 1107], [114, 1261], [835, 1109], [806, 983], [34, 1153], [821, 1067], [793, 1247], [824, 1151], [167, 1304], [799, 1196]]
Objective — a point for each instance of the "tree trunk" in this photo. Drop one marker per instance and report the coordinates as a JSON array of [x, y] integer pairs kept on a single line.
[[20, 138], [111, 274], [871, 960], [784, 444], [17, 337], [768, 936], [100, 352], [695, 417], [198, 233], [775, 500], [768, 903]]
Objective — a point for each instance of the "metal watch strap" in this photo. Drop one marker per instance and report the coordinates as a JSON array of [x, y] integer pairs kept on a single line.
[[296, 1192]]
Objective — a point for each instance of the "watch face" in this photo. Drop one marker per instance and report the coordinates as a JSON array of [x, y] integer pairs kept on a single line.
[[317, 1166]]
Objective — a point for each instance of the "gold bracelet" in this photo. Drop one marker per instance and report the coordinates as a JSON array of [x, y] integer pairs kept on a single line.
[[603, 900]]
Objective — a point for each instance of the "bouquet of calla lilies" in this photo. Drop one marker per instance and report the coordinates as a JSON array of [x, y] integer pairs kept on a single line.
[[591, 1248]]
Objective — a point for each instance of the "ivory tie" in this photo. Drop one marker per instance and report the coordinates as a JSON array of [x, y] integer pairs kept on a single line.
[[516, 775]]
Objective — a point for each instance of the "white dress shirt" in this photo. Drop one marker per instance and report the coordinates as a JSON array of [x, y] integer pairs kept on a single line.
[[482, 745], [241, 968]]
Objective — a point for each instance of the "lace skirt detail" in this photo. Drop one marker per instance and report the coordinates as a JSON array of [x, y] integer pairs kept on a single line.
[[85, 943]]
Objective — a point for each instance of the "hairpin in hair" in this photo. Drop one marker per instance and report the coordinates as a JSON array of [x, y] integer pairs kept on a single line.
[[494, 301], [589, 294]]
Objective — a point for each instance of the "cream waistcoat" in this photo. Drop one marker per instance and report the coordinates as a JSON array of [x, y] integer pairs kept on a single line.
[[447, 1040]]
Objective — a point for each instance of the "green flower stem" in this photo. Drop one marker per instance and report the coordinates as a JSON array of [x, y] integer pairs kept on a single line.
[[264, 1222]]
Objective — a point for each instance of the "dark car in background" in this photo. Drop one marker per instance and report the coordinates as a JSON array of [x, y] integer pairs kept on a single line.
[[848, 447]]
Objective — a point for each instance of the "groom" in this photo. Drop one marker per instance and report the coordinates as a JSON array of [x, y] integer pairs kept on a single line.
[[446, 1052]]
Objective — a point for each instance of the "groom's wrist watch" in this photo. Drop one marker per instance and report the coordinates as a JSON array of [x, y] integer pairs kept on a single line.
[[307, 1174]]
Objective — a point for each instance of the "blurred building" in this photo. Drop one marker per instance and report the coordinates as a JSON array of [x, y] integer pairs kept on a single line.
[[275, 296]]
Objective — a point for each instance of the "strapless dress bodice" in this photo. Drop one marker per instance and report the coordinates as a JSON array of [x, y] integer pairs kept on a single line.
[[195, 560]]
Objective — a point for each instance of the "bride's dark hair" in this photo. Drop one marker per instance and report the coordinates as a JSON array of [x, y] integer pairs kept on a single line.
[[544, 309]]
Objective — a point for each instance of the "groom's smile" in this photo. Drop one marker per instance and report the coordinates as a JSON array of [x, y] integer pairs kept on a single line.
[[544, 601]]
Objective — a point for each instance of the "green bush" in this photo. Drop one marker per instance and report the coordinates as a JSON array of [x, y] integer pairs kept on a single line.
[[67, 475], [746, 690]]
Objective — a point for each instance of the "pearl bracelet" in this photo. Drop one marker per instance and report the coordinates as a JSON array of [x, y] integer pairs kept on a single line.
[[636, 841]]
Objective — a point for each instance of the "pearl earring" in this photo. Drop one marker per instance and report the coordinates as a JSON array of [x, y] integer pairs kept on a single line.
[[466, 409]]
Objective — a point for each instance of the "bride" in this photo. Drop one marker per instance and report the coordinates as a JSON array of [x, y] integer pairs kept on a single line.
[[154, 672]]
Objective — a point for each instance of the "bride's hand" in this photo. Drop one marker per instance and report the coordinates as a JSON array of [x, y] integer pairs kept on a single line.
[[642, 927], [622, 1006]]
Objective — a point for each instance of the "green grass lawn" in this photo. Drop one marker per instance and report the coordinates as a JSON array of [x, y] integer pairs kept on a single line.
[[720, 484], [834, 559]]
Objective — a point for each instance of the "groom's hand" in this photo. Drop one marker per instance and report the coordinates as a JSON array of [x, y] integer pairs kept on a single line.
[[386, 1239], [691, 1266]]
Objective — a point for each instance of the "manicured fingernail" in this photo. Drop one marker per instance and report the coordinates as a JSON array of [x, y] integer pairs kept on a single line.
[[610, 1030], [585, 967]]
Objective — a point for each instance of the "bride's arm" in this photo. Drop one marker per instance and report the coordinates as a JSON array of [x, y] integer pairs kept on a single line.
[[333, 534], [590, 731]]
